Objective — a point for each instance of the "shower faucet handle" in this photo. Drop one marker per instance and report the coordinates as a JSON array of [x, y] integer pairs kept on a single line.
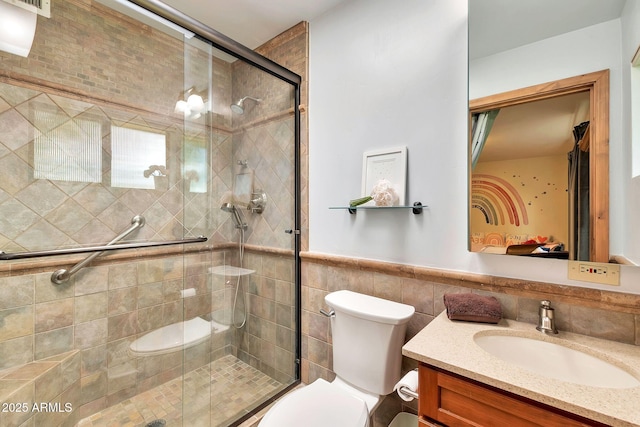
[[258, 201]]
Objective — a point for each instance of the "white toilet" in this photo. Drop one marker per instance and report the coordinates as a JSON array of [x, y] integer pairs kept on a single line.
[[368, 334]]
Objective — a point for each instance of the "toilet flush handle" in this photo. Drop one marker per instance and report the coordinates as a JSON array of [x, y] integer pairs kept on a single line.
[[331, 313]]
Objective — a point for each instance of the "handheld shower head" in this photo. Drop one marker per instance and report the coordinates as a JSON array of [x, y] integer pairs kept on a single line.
[[238, 107], [235, 214]]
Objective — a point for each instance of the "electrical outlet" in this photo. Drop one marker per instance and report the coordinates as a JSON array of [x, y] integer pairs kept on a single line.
[[595, 272]]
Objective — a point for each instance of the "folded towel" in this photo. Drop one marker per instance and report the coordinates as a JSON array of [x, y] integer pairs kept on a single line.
[[473, 308]]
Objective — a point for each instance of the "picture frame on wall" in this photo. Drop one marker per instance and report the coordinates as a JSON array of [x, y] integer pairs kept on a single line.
[[386, 163]]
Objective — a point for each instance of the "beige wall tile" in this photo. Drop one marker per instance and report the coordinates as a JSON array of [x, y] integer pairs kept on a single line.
[[53, 342], [16, 291], [48, 291], [91, 334], [16, 322], [54, 314], [150, 271], [91, 280], [16, 352], [150, 294], [49, 384], [122, 300], [93, 360], [121, 326], [123, 275], [419, 294], [90, 307], [93, 387], [387, 287]]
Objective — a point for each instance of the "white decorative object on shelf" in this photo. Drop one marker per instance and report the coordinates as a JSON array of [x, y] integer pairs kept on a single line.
[[384, 194], [388, 164], [230, 270]]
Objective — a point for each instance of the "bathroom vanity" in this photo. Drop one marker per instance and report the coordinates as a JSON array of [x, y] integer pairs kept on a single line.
[[464, 382], [454, 400]]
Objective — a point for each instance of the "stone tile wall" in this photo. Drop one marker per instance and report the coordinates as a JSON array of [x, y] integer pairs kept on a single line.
[[267, 342], [71, 213], [93, 50], [101, 311], [41, 393], [322, 274], [291, 50]]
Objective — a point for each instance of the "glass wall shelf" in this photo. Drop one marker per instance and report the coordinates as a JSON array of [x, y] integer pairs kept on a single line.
[[416, 208], [230, 270]]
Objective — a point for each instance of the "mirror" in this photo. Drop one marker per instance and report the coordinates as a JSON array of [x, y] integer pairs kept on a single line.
[[539, 181], [541, 55]]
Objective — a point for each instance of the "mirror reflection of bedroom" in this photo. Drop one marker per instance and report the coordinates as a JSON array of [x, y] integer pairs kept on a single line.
[[530, 179]]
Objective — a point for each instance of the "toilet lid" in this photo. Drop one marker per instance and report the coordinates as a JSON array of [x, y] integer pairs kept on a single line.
[[319, 404]]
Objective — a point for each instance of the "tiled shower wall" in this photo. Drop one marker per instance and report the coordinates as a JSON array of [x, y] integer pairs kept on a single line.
[[85, 65], [71, 213], [90, 64], [101, 311], [93, 50], [268, 340]]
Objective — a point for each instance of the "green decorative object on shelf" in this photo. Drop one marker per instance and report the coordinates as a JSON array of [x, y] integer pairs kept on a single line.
[[357, 202]]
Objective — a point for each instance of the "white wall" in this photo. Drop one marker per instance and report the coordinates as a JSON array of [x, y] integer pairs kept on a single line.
[[384, 74]]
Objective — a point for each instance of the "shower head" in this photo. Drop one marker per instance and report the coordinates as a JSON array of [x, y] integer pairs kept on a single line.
[[238, 107], [235, 214]]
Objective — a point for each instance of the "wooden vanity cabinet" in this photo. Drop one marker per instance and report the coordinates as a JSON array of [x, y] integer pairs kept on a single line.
[[451, 400]]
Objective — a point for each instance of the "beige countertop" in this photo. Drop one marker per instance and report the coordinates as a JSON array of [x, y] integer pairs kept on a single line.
[[450, 345]]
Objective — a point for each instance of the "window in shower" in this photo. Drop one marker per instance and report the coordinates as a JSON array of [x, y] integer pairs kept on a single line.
[[138, 158], [69, 152]]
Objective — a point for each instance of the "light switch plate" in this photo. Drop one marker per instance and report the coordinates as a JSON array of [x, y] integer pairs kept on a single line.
[[595, 272]]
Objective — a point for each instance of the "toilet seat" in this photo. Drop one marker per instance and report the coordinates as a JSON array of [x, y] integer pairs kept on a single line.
[[320, 404]]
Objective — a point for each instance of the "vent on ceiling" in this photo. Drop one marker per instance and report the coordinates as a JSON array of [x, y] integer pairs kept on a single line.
[[42, 7]]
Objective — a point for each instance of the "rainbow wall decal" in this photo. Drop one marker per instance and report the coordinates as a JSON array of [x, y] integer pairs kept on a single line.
[[497, 199]]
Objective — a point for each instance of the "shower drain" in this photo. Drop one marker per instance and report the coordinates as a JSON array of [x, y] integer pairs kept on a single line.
[[156, 423]]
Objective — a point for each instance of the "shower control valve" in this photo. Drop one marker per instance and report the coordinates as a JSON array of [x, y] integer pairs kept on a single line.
[[258, 201]]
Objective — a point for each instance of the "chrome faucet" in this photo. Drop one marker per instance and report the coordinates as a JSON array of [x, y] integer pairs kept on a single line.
[[546, 321]]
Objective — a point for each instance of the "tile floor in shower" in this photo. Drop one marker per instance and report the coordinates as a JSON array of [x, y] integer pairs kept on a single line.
[[209, 396]]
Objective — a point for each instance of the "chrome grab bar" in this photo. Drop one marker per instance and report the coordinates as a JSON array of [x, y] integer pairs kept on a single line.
[[84, 250], [63, 275], [23, 255]]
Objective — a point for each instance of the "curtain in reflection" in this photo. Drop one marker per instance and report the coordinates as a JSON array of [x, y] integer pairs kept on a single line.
[[579, 196], [481, 124]]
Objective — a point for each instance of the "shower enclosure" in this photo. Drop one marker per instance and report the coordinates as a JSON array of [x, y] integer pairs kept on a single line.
[[156, 162]]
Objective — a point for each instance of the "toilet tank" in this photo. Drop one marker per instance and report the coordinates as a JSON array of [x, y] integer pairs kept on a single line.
[[368, 334]]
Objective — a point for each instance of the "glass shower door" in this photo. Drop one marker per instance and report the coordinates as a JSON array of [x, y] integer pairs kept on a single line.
[[238, 162]]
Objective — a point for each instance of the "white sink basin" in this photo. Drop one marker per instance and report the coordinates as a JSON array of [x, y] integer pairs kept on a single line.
[[556, 361]]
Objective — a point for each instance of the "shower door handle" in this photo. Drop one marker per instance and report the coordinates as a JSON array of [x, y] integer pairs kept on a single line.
[[290, 231]]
